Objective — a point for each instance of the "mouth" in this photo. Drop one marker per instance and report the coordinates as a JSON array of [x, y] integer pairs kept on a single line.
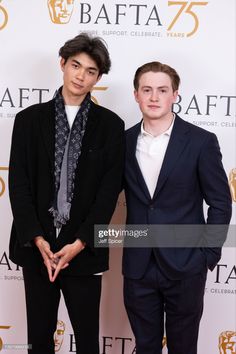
[[78, 86], [153, 107]]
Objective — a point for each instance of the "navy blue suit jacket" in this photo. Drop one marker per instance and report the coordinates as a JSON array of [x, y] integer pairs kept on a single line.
[[191, 173]]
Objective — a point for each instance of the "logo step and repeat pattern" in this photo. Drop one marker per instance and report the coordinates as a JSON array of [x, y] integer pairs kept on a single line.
[[195, 37]]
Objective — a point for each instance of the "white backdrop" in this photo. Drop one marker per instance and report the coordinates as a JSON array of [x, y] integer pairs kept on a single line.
[[198, 40]]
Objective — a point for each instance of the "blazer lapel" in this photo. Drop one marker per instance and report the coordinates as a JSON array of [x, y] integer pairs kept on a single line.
[[91, 124], [132, 160], [178, 140], [47, 124]]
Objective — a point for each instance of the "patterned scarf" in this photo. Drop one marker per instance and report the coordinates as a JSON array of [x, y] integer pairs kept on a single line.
[[67, 142]]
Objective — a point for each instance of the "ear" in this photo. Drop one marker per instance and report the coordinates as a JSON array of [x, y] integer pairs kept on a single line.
[[175, 95], [62, 64], [99, 77], [136, 96]]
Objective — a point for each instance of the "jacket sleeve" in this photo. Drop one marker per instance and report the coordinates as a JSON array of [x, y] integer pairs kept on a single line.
[[216, 193], [104, 205], [22, 204]]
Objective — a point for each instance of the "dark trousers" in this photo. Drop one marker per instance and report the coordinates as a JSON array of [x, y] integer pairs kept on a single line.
[[147, 300], [82, 298]]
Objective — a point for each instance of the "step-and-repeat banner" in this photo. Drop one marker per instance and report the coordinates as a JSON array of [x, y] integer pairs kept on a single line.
[[197, 38]]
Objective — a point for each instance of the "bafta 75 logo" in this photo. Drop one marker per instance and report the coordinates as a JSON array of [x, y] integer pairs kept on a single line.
[[186, 8]]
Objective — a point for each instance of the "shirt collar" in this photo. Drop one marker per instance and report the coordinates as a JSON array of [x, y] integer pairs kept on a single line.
[[167, 132]]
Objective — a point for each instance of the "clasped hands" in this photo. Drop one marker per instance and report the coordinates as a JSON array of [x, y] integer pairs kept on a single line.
[[54, 262]]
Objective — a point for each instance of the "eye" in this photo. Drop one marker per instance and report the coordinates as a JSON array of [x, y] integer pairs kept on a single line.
[[74, 65], [91, 72]]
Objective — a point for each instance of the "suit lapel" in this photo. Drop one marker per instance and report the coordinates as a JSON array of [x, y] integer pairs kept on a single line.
[[47, 125], [178, 140], [131, 153], [91, 124]]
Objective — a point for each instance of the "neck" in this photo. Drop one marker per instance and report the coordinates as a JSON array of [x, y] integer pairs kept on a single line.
[[72, 100], [157, 126]]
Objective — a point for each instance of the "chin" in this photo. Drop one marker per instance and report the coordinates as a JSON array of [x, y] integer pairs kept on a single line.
[[154, 117]]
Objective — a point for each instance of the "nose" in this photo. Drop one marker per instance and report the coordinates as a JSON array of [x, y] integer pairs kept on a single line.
[[80, 74], [154, 96]]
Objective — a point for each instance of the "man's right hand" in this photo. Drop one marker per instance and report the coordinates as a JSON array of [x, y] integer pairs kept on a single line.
[[47, 254]]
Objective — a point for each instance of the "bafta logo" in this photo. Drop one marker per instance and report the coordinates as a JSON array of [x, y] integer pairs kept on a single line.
[[232, 183], [59, 335], [227, 342], [60, 10]]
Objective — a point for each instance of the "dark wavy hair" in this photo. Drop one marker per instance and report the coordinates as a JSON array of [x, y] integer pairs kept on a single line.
[[95, 47]]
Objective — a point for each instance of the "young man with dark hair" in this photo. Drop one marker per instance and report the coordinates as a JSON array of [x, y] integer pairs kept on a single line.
[[171, 168], [64, 177]]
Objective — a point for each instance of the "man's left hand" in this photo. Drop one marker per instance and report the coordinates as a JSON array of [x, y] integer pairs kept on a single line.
[[65, 255]]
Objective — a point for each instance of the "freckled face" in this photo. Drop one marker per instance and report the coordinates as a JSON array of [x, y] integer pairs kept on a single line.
[[155, 95]]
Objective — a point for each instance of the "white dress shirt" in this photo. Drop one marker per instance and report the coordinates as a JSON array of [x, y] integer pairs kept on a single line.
[[150, 152]]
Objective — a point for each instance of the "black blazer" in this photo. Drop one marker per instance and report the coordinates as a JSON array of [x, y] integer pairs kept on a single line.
[[31, 185], [192, 172]]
